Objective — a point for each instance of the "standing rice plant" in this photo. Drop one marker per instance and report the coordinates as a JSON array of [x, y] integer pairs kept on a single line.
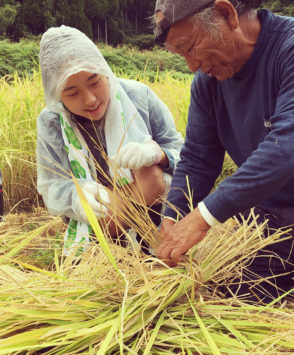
[[176, 94], [21, 100]]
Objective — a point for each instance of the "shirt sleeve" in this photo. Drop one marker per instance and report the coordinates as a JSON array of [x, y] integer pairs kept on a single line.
[[202, 155], [54, 181], [207, 216], [271, 166]]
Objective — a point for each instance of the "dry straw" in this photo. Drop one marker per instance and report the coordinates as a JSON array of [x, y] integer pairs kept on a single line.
[[112, 300]]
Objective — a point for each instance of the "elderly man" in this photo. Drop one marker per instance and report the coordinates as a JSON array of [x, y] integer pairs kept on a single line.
[[242, 102]]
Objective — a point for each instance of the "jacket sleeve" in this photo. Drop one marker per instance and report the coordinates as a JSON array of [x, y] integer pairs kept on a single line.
[[164, 130], [54, 181], [202, 155], [158, 119]]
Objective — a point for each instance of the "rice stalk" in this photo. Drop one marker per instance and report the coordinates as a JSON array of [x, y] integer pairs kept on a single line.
[[83, 310], [81, 304]]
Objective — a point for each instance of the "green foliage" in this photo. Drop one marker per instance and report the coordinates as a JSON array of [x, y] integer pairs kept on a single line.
[[141, 41], [281, 7], [9, 2], [7, 16], [111, 21], [35, 22], [18, 57], [108, 20], [23, 58], [72, 13]]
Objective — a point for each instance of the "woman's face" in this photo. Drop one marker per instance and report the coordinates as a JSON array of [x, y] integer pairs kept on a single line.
[[86, 94]]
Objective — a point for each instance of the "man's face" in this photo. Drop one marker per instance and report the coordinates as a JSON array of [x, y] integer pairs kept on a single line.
[[216, 54], [86, 94]]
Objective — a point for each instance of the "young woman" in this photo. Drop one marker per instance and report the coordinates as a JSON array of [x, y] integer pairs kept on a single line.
[[91, 116]]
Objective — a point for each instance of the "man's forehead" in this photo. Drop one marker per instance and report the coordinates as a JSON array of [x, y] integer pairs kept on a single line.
[[181, 34]]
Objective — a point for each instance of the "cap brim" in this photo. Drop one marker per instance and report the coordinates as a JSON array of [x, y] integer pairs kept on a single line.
[[161, 31], [160, 39]]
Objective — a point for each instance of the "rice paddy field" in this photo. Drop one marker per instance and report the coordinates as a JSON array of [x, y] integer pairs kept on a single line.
[[114, 300]]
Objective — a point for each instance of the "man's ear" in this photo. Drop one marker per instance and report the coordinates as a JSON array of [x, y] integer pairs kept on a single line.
[[227, 11]]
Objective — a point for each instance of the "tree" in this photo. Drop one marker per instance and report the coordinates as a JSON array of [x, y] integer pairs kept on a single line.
[[49, 19], [139, 13], [113, 21], [102, 13], [33, 14], [7, 16], [96, 11], [72, 14]]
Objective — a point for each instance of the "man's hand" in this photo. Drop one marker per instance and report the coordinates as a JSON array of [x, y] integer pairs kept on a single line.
[[179, 237], [166, 226]]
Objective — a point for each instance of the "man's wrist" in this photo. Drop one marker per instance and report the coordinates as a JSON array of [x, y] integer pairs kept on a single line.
[[206, 215]]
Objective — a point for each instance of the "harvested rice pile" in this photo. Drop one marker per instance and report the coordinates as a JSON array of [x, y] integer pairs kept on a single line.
[[112, 300]]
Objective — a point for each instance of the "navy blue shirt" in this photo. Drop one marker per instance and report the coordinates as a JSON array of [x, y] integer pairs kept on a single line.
[[251, 116]]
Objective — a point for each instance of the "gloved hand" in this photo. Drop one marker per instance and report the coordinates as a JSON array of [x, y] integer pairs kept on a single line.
[[97, 197], [136, 155]]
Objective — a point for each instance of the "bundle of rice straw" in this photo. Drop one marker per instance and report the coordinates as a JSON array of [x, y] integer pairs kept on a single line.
[[113, 300]]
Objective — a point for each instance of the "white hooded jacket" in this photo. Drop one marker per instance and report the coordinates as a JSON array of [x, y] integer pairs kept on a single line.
[[66, 51]]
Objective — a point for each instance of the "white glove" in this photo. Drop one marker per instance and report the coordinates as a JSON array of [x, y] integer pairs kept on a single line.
[[97, 197], [136, 155]]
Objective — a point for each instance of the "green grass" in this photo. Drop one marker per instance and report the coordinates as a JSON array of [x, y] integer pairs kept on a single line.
[[19, 57], [282, 7], [23, 58]]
